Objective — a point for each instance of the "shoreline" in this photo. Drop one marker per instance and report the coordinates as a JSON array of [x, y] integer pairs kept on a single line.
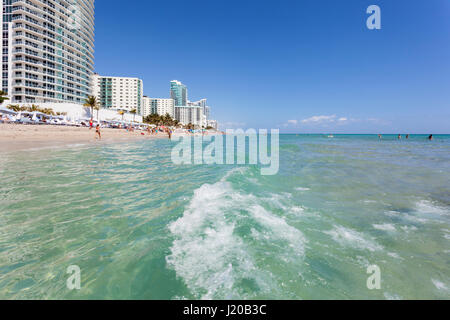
[[16, 137]]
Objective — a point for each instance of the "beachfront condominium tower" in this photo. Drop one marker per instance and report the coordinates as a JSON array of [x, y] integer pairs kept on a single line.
[[201, 103], [119, 93], [178, 92], [158, 106], [47, 50], [190, 115]]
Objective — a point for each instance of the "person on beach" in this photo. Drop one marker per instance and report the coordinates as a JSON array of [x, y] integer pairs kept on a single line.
[[170, 134], [97, 132], [91, 124]]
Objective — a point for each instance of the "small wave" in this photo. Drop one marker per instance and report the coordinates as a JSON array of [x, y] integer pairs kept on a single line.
[[385, 227], [439, 285], [426, 206], [352, 238], [203, 253], [394, 255], [446, 234], [408, 228], [390, 296], [302, 189], [214, 256], [280, 229]]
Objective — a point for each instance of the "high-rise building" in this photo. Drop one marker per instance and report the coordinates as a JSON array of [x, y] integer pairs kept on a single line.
[[158, 106], [178, 92], [47, 50], [207, 112], [119, 93], [190, 115], [201, 103], [213, 124]]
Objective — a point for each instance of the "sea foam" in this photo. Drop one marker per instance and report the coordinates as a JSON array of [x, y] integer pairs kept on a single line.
[[351, 238], [211, 254]]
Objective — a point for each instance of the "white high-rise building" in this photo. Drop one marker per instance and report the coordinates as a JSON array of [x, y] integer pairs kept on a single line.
[[190, 115], [47, 50], [158, 106], [201, 103], [213, 124], [207, 112], [146, 106], [119, 93]]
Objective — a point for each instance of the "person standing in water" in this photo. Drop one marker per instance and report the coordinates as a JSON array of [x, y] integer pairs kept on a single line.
[[407, 136], [97, 132], [430, 137], [399, 137]]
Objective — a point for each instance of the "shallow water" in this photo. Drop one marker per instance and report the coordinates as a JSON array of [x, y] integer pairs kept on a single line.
[[140, 227]]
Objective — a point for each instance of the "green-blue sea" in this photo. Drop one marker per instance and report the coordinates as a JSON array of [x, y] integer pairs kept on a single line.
[[140, 227]]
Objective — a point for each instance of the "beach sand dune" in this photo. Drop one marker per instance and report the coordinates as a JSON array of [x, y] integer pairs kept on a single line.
[[14, 137]]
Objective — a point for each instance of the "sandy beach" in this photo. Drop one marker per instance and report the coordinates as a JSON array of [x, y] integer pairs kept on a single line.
[[15, 137]]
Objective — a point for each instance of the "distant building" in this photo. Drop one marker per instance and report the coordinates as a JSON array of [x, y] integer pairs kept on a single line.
[[178, 92], [158, 106], [213, 124], [119, 93], [190, 115], [201, 103], [206, 112], [146, 106]]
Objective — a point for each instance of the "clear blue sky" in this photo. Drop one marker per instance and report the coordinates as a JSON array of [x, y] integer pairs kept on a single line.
[[298, 65]]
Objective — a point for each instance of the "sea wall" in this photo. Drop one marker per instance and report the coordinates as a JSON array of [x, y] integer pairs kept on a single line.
[[76, 111]]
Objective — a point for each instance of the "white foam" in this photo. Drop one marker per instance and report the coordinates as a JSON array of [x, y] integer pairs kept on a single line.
[[394, 255], [439, 285], [408, 228], [352, 238], [297, 209], [446, 234], [279, 228], [426, 206], [209, 254], [369, 201], [385, 227], [302, 189], [390, 296], [206, 245]]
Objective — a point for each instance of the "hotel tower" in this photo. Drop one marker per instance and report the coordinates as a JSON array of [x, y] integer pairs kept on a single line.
[[47, 50]]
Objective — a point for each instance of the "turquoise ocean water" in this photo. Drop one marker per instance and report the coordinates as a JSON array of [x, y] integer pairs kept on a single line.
[[140, 227]]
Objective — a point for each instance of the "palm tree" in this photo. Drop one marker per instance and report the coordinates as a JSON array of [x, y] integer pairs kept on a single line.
[[91, 103], [121, 112], [133, 112], [14, 107], [97, 107], [2, 96]]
